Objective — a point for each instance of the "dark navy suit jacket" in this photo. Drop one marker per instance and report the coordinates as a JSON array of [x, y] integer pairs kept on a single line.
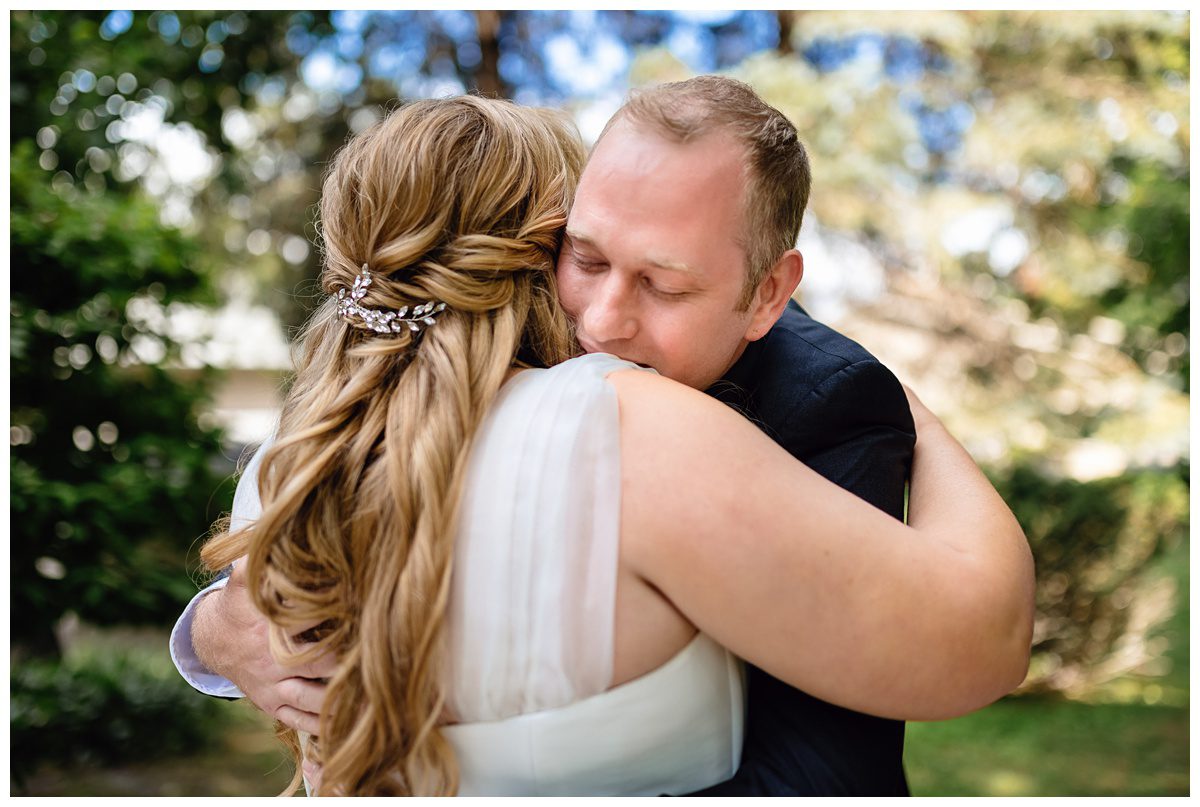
[[833, 406]]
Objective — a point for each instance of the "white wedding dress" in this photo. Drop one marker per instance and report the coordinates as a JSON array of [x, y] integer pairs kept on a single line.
[[531, 615]]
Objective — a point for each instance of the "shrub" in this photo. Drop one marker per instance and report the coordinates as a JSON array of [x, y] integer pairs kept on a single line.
[[103, 710], [1092, 543]]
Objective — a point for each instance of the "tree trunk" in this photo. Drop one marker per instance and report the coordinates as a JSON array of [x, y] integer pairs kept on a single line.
[[487, 74], [787, 21]]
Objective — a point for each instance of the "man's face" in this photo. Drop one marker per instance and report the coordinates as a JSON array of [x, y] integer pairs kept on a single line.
[[651, 269]]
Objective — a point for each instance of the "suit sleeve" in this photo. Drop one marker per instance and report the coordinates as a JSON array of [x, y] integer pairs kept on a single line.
[[855, 429]]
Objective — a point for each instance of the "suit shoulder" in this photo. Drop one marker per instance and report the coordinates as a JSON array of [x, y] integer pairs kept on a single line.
[[811, 351], [827, 386]]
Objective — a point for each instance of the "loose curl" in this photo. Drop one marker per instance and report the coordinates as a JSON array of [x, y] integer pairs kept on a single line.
[[461, 200]]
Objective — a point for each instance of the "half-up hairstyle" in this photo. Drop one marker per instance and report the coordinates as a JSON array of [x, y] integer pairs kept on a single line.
[[462, 201]]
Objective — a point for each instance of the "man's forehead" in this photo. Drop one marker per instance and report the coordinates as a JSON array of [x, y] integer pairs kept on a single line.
[[647, 164], [626, 135]]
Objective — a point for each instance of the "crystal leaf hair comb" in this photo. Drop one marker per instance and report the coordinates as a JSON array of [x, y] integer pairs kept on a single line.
[[383, 320]]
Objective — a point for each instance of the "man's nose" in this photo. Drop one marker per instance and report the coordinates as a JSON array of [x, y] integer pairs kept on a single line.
[[611, 313]]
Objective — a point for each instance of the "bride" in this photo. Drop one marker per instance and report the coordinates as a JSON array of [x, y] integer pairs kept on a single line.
[[537, 572]]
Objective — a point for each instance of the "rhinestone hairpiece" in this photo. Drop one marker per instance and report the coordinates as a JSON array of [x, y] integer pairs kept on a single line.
[[383, 320]]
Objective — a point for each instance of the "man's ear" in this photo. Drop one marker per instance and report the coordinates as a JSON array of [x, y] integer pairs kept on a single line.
[[773, 293]]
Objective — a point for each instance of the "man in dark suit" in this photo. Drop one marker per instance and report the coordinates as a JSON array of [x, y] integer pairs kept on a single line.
[[679, 255], [834, 407]]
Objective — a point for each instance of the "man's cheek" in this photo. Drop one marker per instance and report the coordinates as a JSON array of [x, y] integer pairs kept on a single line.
[[569, 294]]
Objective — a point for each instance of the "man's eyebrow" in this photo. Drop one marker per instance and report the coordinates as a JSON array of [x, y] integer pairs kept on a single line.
[[579, 238], [582, 240], [673, 266]]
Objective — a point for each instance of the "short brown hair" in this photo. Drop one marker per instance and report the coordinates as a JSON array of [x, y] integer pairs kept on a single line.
[[778, 176]]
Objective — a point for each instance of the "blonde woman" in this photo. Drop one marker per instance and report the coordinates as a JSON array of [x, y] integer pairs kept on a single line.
[[537, 572]]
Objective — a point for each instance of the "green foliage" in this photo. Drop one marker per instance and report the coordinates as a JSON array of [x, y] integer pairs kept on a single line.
[[161, 53], [107, 710], [112, 478], [196, 69], [1141, 275], [1155, 226], [1103, 152], [1092, 544], [1077, 150]]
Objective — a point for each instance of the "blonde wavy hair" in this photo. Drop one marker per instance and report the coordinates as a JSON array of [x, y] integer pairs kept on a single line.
[[461, 200]]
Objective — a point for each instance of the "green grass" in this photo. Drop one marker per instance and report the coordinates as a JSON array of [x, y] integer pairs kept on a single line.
[[1036, 747], [246, 761]]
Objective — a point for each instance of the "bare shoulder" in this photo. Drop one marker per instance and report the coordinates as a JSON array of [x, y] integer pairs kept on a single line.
[[673, 411], [634, 384], [692, 469]]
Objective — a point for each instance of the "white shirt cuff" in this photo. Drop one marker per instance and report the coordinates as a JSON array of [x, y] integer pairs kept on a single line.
[[184, 654]]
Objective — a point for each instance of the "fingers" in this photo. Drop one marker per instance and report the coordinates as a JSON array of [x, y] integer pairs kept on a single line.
[[301, 704], [294, 718], [302, 694], [323, 666]]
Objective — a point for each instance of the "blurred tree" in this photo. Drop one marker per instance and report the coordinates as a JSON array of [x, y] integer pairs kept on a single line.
[[113, 477], [1023, 180], [1022, 177], [1035, 156], [1091, 542], [162, 103], [89, 72], [228, 117], [111, 474]]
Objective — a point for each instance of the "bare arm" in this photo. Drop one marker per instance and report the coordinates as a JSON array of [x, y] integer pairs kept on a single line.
[[230, 637], [918, 623]]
